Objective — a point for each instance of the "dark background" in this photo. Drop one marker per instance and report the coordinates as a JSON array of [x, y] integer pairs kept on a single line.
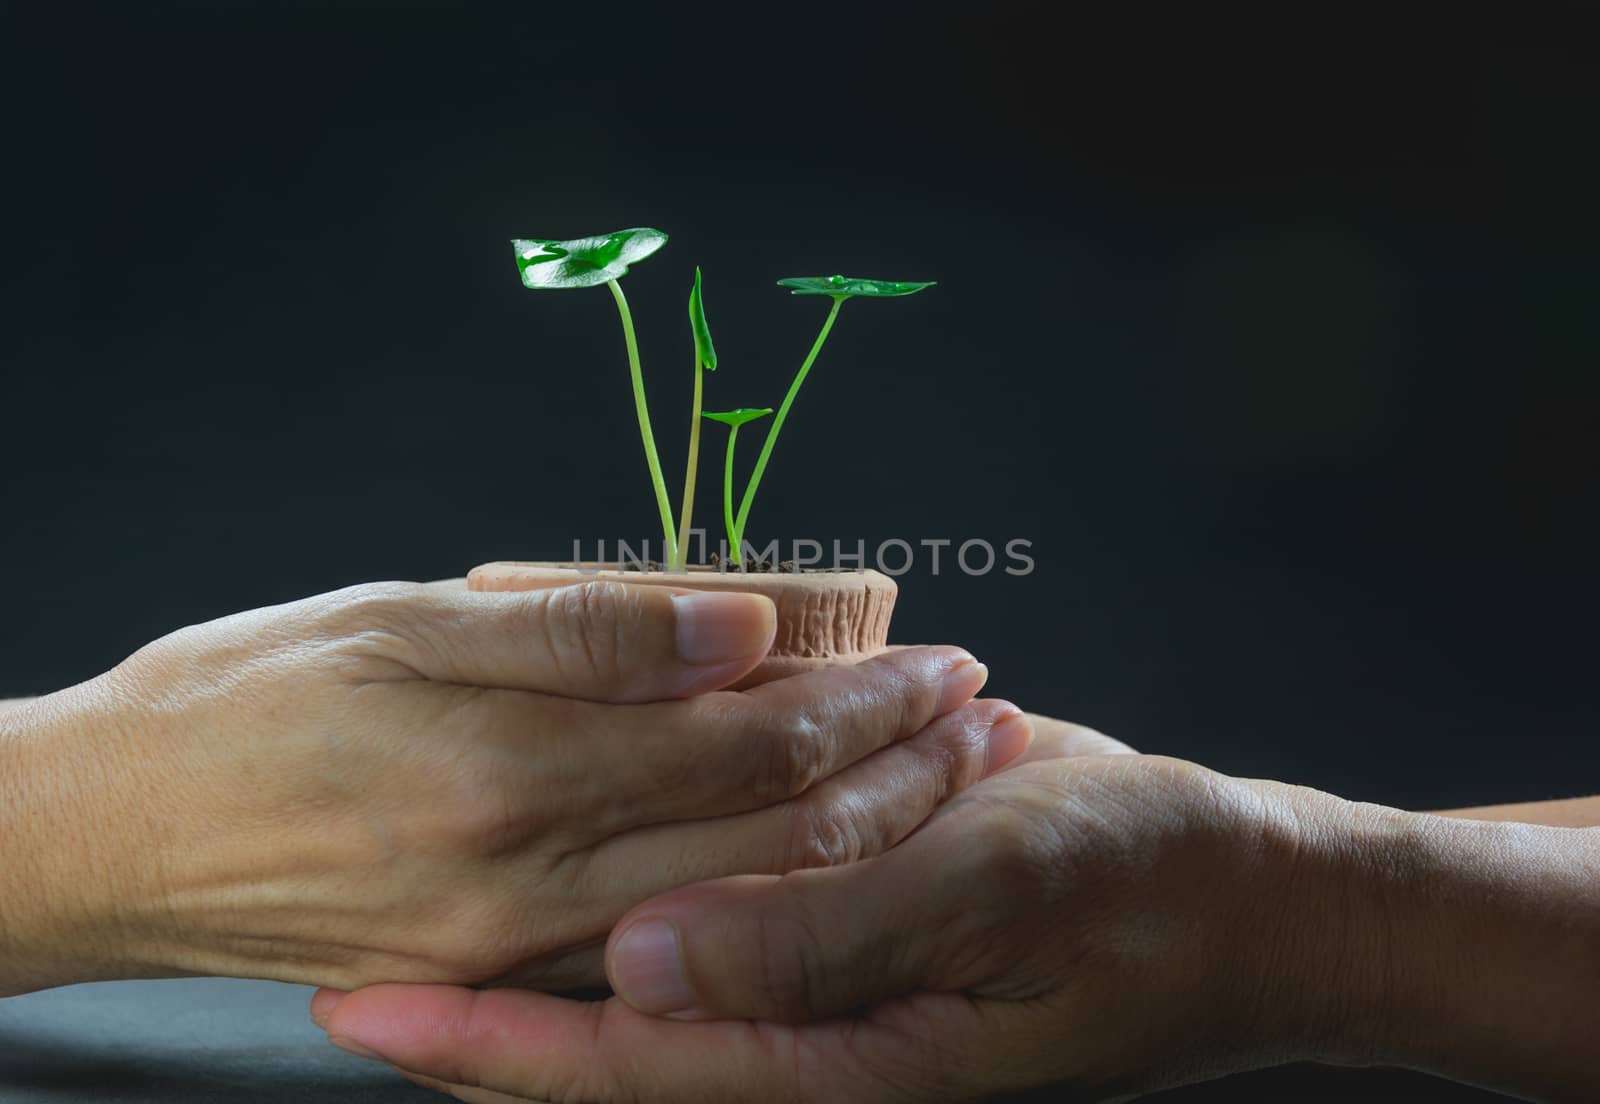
[[1275, 333]]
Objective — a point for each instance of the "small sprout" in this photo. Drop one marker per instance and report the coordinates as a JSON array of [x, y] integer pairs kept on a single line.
[[733, 419], [705, 360], [839, 288], [847, 287], [588, 262], [704, 351], [583, 262]]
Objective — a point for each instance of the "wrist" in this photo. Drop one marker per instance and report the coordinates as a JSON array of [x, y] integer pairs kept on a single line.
[[1499, 928], [1318, 979], [60, 880], [1466, 949]]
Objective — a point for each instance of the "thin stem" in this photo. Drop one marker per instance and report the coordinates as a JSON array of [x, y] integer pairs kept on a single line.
[[644, 422], [783, 412], [735, 536], [688, 480]]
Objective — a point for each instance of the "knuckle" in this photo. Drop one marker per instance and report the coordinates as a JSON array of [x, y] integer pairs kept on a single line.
[[957, 753], [587, 628], [371, 627], [371, 605], [795, 757], [821, 835], [475, 812], [896, 691], [492, 824]]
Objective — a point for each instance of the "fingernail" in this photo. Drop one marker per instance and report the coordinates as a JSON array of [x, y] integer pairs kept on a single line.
[[1007, 740], [647, 969], [323, 1002], [350, 1046], [720, 628], [961, 684]]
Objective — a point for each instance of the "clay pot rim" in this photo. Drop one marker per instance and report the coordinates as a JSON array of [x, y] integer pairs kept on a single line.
[[590, 569], [823, 618]]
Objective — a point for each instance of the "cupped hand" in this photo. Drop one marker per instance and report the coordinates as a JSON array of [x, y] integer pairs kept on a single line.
[[415, 782], [1088, 917]]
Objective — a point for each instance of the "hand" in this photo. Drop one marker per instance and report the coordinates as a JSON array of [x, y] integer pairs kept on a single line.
[[1090, 916], [416, 782]]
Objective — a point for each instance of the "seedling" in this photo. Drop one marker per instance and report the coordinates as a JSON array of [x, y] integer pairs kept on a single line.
[[839, 288], [733, 419], [590, 262], [705, 360]]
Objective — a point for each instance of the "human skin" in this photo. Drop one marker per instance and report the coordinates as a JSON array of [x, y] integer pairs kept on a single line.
[[412, 781], [1108, 922]]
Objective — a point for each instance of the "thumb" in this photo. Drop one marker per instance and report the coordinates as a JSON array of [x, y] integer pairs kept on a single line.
[[804, 946], [600, 641]]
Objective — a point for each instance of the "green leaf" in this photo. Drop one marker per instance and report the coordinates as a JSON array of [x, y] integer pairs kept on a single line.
[[703, 348], [583, 262], [845, 287], [737, 418]]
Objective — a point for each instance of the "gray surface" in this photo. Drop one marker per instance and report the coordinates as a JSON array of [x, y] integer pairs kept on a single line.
[[195, 1040], [209, 1040]]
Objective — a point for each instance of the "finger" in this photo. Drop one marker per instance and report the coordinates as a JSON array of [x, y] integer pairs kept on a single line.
[[598, 641], [507, 1046], [732, 752], [801, 947], [1056, 739], [860, 812], [512, 1041], [607, 770], [496, 1045], [323, 1002]]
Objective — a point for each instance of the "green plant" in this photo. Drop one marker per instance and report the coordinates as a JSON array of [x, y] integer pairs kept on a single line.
[[733, 419], [839, 288], [705, 360], [589, 262]]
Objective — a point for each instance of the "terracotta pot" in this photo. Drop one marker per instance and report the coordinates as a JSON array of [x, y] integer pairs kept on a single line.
[[824, 617]]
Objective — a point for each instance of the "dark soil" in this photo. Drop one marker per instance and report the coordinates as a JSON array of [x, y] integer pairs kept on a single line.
[[753, 565], [759, 565]]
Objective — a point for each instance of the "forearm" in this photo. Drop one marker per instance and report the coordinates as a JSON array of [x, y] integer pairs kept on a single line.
[[58, 921], [1574, 812], [23, 892], [1467, 949], [1502, 924]]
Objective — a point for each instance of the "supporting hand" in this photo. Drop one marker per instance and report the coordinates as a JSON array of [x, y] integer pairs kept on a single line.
[[417, 782], [1109, 922]]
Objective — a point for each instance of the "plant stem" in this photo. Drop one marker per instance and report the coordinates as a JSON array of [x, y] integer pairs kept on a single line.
[[783, 412], [679, 562], [735, 534], [644, 422]]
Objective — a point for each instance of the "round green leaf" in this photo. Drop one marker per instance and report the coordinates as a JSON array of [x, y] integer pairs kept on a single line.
[[703, 348], [583, 262], [845, 287], [738, 417]]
